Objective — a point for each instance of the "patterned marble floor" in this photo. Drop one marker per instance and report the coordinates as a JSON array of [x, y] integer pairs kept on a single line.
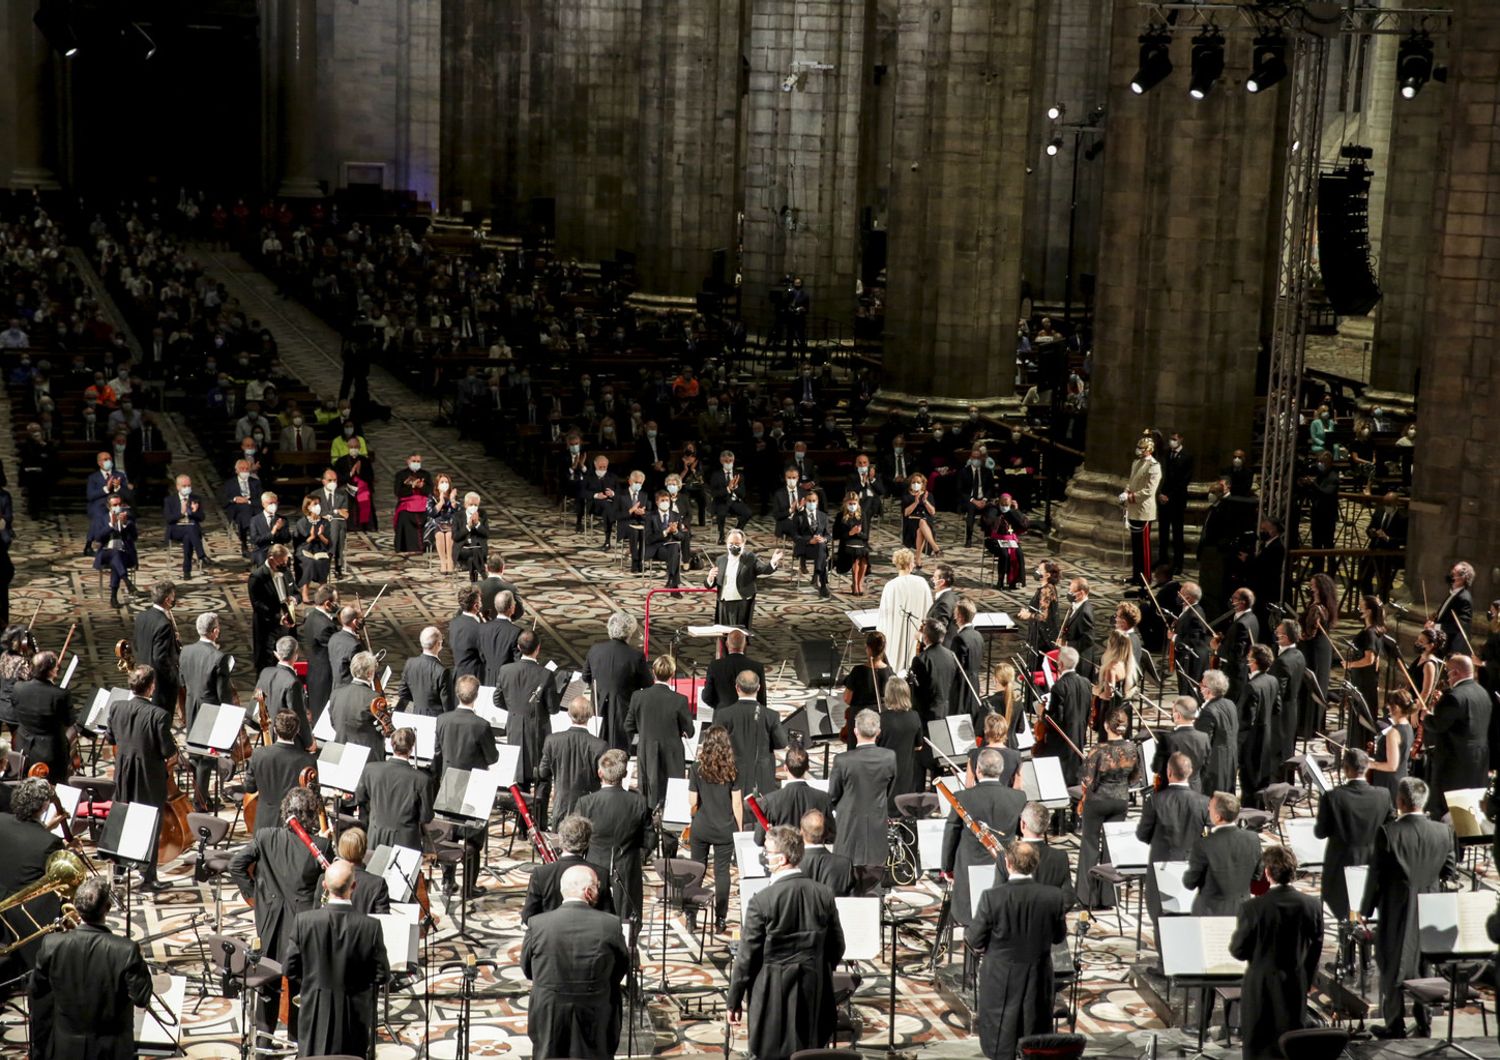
[[570, 586]]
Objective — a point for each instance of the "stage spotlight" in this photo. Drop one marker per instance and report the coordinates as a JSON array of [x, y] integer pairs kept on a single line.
[[1414, 64], [1208, 62], [1057, 110], [56, 23], [1268, 63], [1055, 146], [1156, 61]]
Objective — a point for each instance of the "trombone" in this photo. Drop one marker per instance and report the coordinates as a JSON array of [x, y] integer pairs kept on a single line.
[[64, 872]]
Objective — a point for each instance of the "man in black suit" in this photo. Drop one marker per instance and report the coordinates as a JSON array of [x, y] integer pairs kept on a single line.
[[182, 513], [142, 734], [1385, 532], [349, 710], [1280, 936], [1071, 699], [570, 762], [284, 884], [28, 845], [1172, 821], [786, 502], [614, 671], [336, 501], [860, 787], [810, 530], [1183, 738], [631, 508], [790, 944], [495, 583], [944, 600], [992, 805], [659, 719], [498, 636], [1015, 928], [464, 636], [1350, 816], [275, 770], [934, 678], [622, 832], [1234, 657], [735, 574], [789, 803], [601, 488], [1077, 630], [42, 715], [1219, 719], [967, 645], [576, 959], [544, 885], [86, 986], [1289, 669], [864, 481], [319, 624], [241, 497], [426, 684], [154, 640], [755, 733], [1458, 735], [205, 679], [281, 688], [834, 871], [1191, 633], [529, 696], [1456, 614], [1053, 867], [718, 681], [343, 645], [266, 529], [1223, 863], [976, 492], [667, 536], [269, 587], [464, 741], [1172, 500], [1257, 715], [727, 489], [394, 796], [337, 955], [1412, 856]]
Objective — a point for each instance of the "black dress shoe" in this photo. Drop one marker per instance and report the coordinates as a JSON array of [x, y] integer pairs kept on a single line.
[[155, 886], [1380, 1030], [720, 927]]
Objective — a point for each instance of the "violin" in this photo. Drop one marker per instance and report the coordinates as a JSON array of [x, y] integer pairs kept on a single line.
[[308, 779]]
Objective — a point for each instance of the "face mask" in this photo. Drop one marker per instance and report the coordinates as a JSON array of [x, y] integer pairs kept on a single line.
[[573, 449], [415, 465], [316, 510], [664, 506], [471, 509], [184, 490], [1140, 454], [989, 462], [757, 435], [443, 487], [791, 483], [812, 506], [1005, 507], [1238, 463], [296, 421], [937, 436], [713, 408], [916, 487], [608, 396], [735, 550], [635, 487], [1411, 432], [651, 434], [599, 471], [90, 415], [108, 465], [259, 436], [898, 449], [270, 509], [974, 463], [249, 452], [588, 410], [672, 489], [348, 432], [331, 484], [728, 468], [1175, 444]]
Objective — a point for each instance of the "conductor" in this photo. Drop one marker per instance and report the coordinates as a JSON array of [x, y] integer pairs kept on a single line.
[[792, 941], [734, 574]]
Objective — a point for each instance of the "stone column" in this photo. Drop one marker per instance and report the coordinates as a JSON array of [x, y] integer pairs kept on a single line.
[[688, 168], [299, 95], [30, 63], [958, 184], [1455, 503], [802, 168], [1183, 260]]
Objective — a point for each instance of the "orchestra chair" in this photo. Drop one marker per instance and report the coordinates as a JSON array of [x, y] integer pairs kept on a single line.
[[1052, 1046], [1314, 1043], [682, 886], [826, 1054], [228, 957], [1450, 992], [210, 863]]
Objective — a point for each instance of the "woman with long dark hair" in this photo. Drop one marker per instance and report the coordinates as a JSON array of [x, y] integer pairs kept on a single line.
[[1362, 667], [1318, 621], [1393, 746], [1113, 767], [714, 799]]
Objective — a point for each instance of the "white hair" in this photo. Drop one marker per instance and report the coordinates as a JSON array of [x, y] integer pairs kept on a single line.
[[620, 626], [430, 638], [206, 623], [1067, 659], [576, 881]]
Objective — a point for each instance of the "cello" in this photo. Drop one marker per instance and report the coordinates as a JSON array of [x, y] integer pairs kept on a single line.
[[174, 836]]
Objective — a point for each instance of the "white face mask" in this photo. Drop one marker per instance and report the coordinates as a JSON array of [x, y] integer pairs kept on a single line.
[[444, 487], [108, 465], [664, 506], [916, 487], [296, 421], [651, 434], [185, 490], [812, 506], [937, 436], [315, 510], [348, 432], [600, 471], [852, 507], [974, 463], [573, 449], [414, 465], [1238, 463], [728, 468], [331, 484], [791, 484], [1175, 444], [672, 489], [898, 449], [470, 509], [270, 509]]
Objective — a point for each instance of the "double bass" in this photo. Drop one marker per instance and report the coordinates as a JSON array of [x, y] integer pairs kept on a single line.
[[174, 836]]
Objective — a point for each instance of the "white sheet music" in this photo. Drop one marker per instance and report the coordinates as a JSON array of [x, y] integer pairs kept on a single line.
[[960, 733], [562, 723], [1308, 847], [1355, 877], [340, 765], [468, 793], [68, 677], [715, 631], [993, 620], [1466, 806], [137, 836], [385, 678], [1198, 946], [865, 620], [104, 701], [1025, 738], [1148, 754], [748, 890], [400, 936], [1042, 778], [398, 866], [425, 727], [1316, 775], [860, 920], [690, 743], [216, 727], [981, 878], [821, 783], [484, 706], [747, 856], [69, 796], [930, 843], [1124, 849], [1176, 896], [1454, 923], [505, 767], [953, 784], [171, 992], [323, 727], [676, 810]]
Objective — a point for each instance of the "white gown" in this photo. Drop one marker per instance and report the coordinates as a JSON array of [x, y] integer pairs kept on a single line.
[[903, 595]]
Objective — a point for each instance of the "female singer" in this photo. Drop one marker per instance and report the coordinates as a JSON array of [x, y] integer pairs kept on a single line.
[[864, 685], [351, 459], [1317, 647], [714, 801], [1003, 532], [1427, 668], [442, 509], [15, 667], [904, 602], [310, 542], [1393, 747], [901, 731], [1362, 668], [471, 536], [1043, 612], [852, 531], [690, 476], [1118, 677], [918, 518], [1112, 768]]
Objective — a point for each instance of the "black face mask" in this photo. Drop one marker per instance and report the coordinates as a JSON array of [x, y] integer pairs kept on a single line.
[[735, 550]]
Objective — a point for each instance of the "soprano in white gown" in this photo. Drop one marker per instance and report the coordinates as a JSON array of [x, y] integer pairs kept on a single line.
[[906, 594]]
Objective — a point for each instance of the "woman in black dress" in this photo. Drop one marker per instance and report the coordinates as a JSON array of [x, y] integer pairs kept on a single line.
[[1317, 647], [919, 518], [901, 731], [1043, 612], [442, 510], [1113, 767], [864, 685], [310, 537], [1362, 668], [1427, 668], [1393, 746], [714, 800], [852, 531]]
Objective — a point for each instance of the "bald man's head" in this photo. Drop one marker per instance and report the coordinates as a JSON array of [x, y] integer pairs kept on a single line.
[[338, 880], [580, 882]]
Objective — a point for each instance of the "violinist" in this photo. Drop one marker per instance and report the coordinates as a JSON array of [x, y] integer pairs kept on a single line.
[[1077, 629], [395, 797], [1489, 655], [1362, 667], [117, 548], [1189, 637], [471, 536], [1426, 670], [43, 715], [1042, 613], [141, 732], [936, 685], [1457, 611], [1068, 705], [267, 529], [413, 487], [343, 645], [968, 649], [205, 679], [1457, 735], [1113, 767], [865, 683], [349, 709], [372, 895], [313, 545], [275, 770], [15, 667], [1290, 670], [994, 734], [991, 804], [281, 689], [1393, 744], [154, 641], [1232, 646], [269, 588], [1318, 621], [1183, 738]]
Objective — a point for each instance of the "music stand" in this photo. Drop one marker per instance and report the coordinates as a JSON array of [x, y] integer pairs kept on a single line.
[[467, 796], [1195, 954], [129, 840], [988, 622], [425, 726], [399, 866], [1451, 930], [152, 1036]]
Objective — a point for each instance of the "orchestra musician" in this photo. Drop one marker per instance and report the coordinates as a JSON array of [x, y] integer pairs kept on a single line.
[[1224, 863], [394, 796], [349, 709], [968, 650], [343, 645], [1053, 867], [494, 583], [1172, 820], [43, 715], [426, 684], [1234, 656], [498, 636], [615, 671], [1068, 705], [819, 863], [529, 695], [1190, 634], [1042, 612], [936, 685], [205, 679], [269, 590], [1112, 768], [1349, 818], [788, 804], [718, 682], [319, 625], [276, 769], [27, 844], [756, 733], [281, 689], [1257, 719], [1219, 719], [1183, 738], [1077, 629], [1318, 620], [1289, 669], [1280, 936], [1393, 744], [117, 549], [569, 766], [996, 808], [464, 741], [155, 643], [1456, 614], [141, 732], [860, 787], [1457, 735], [544, 885], [464, 637], [372, 895], [659, 719], [622, 832]]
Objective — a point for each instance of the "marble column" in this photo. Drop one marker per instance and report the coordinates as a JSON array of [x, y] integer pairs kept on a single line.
[[958, 185], [802, 164], [30, 62], [1455, 503], [1188, 235], [688, 172], [299, 94]]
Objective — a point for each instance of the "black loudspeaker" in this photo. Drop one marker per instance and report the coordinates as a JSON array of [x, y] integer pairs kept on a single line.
[[816, 662], [1344, 239]]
